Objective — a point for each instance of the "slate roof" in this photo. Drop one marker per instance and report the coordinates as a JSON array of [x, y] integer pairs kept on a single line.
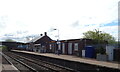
[[35, 39]]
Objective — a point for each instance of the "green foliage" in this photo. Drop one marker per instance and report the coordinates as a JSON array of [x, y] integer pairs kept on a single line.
[[99, 37], [9, 40], [3, 48], [102, 50]]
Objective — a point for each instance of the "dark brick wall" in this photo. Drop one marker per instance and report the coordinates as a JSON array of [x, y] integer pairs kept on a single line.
[[117, 55], [44, 41], [81, 45]]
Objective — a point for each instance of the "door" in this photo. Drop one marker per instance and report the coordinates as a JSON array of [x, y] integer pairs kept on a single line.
[[63, 48], [70, 48], [109, 51], [83, 53]]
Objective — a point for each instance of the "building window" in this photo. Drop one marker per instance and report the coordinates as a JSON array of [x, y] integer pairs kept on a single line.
[[76, 46], [50, 46], [59, 46]]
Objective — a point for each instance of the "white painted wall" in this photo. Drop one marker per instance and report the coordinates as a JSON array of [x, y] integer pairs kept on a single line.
[[83, 53], [109, 51]]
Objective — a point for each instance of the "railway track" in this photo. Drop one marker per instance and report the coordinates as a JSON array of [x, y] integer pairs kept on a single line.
[[37, 65], [6, 60]]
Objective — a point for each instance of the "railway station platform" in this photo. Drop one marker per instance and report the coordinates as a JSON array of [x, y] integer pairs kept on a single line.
[[9, 68], [6, 66], [76, 59]]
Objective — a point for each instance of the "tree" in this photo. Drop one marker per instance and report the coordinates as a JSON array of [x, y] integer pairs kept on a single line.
[[99, 36], [9, 40], [3, 48]]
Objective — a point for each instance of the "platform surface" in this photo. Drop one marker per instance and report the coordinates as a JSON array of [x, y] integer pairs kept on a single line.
[[8, 67], [77, 59], [5, 67]]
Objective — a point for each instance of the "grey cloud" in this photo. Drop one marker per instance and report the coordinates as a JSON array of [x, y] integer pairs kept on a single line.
[[89, 25], [3, 21], [21, 32], [12, 37], [75, 24], [8, 34]]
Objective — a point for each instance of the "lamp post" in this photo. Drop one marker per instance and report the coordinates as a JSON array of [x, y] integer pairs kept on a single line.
[[58, 34], [32, 43], [58, 48]]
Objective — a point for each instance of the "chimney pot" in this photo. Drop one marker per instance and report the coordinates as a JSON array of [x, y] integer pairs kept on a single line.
[[41, 34], [45, 33]]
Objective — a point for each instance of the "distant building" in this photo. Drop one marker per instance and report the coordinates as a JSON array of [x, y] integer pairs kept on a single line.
[[11, 45], [39, 44]]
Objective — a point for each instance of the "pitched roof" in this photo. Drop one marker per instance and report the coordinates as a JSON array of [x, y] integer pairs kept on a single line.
[[35, 39]]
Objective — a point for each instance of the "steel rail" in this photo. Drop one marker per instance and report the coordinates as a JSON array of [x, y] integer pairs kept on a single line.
[[46, 64]]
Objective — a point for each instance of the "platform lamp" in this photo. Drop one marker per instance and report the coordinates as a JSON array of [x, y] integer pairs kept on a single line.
[[58, 38], [58, 33]]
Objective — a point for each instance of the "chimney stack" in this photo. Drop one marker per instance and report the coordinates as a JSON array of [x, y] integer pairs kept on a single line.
[[45, 33], [41, 34]]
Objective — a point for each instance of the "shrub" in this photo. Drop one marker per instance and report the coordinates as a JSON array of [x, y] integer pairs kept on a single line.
[[101, 50]]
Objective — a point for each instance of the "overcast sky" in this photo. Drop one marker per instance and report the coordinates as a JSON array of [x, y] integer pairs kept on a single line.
[[21, 18]]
